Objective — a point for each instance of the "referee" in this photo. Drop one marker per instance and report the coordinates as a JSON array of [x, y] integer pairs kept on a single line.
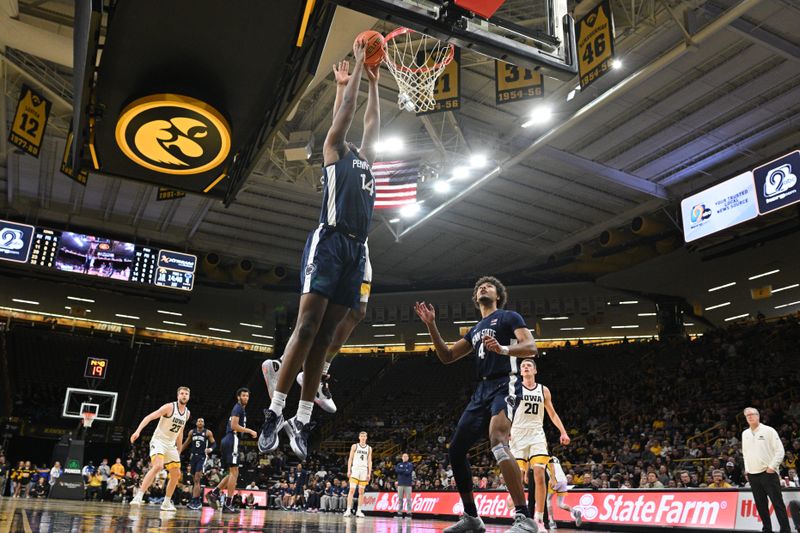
[[763, 454]]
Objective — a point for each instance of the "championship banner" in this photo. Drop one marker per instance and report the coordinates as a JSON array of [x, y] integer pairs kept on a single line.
[[595, 37], [81, 176], [513, 83], [30, 121], [168, 194], [776, 183], [447, 91]]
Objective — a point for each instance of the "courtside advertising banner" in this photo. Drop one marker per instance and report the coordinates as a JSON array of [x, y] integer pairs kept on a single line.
[[747, 518], [490, 504], [719, 207]]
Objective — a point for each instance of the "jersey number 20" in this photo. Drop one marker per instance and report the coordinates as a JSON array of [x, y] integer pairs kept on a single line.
[[531, 408]]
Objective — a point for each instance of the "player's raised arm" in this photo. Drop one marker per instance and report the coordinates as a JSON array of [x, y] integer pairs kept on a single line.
[[334, 145], [372, 115], [164, 410], [525, 346], [341, 73], [446, 355], [554, 418]]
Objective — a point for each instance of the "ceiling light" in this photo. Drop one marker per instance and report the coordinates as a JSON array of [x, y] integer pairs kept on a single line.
[[382, 325], [441, 186], [572, 329], [629, 302], [556, 318], [390, 145], [394, 220], [787, 305], [460, 172], [570, 95], [422, 334], [409, 210], [786, 288], [731, 284], [737, 317], [717, 306], [245, 324], [764, 274], [20, 301], [385, 335], [631, 326], [168, 313], [220, 330], [478, 161], [173, 323], [76, 299], [538, 116], [647, 314], [465, 322], [127, 316], [261, 336], [688, 323], [617, 63]]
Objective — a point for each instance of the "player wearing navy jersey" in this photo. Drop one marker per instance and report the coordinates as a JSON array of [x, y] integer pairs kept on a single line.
[[235, 429], [334, 259], [497, 341], [200, 443]]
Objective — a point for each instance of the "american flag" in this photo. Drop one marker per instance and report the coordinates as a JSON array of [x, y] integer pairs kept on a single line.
[[396, 183]]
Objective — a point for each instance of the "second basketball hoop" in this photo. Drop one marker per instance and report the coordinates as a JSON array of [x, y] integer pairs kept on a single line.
[[416, 61]]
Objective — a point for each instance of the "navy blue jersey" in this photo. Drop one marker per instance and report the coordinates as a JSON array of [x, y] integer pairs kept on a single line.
[[348, 195], [239, 411], [501, 325], [199, 442]]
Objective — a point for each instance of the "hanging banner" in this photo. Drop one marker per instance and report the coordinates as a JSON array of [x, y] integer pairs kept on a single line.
[[30, 121], [447, 91], [513, 83], [81, 176], [595, 43], [168, 194]]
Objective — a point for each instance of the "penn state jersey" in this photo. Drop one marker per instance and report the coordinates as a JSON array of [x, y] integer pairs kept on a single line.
[[199, 442], [169, 426], [530, 410], [239, 411], [361, 457], [348, 195], [501, 325]]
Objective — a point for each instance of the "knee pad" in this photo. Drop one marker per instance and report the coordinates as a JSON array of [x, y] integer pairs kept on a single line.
[[502, 453]]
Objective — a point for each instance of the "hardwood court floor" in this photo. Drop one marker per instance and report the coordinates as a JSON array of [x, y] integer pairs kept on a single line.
[[64, 516]]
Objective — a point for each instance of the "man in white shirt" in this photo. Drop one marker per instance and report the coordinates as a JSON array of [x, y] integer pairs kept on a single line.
[[763, 454]]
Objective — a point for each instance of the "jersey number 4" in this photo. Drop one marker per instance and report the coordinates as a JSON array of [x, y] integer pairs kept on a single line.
[[368, 184], [531, 408]]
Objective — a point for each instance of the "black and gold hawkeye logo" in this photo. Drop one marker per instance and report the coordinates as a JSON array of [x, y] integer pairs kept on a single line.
[[173, 134]]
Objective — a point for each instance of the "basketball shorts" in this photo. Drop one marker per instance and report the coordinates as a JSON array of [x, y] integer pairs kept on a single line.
[[230, 450], [491, 397], [559, 488], [169, 451], [334, 266], [198, 463], [359, 476], [366, 283], [529, 446]]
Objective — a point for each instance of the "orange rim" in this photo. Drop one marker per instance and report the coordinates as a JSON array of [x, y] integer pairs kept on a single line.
[[443, 63]]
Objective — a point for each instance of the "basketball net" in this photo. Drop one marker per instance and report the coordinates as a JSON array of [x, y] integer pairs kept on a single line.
[[416, 61], [88, 419]]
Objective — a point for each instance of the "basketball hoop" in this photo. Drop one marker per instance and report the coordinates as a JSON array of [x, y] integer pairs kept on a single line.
[[88, 419], [416, 61]]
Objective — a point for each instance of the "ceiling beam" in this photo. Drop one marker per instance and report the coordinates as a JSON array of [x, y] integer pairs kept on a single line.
[[758, 34], [607, 173]]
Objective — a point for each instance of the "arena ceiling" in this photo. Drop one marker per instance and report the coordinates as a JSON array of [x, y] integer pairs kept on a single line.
[[698, 99]]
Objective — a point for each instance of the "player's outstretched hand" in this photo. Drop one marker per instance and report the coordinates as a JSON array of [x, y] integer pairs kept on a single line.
[[360, 49], [373, 72], [491, 344], [134, 436], [425, 312], [341, 72], [564, 439]]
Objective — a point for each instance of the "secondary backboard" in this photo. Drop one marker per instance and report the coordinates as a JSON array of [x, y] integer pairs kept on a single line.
[[75, 401]]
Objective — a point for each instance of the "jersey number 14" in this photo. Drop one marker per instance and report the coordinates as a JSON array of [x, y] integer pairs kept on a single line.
[[368, 184]]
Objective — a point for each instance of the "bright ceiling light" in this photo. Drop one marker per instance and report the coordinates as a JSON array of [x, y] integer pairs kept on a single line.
[[617, 63], [647, 314], [220, 330], [539, 115], [132, 317], [385, 335], [422, 334], [786, 288], [245, 324], [261, 336], [460, 172], [76, 299], [717, 306], [731, 284], [441, 186], [173, 323], [394, 220], [556, 318], [737, 317], [20, 301], [787, 305], [390, 145], [764, 274], [629, 302], [570, 95], [409, 210], [572, 329], [478, 161], [383, 325], [630, 326], [173, 313], [465, 322]]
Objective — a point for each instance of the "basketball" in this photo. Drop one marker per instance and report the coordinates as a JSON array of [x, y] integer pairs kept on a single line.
[[374, 52]]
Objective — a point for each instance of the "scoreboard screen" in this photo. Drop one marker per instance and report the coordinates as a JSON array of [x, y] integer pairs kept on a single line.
[[96, 368], [91, 255]]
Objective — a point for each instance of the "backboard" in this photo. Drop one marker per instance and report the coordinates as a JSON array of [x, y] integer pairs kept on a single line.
[[75, 401]]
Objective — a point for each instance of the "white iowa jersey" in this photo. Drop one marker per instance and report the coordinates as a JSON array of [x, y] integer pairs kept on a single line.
[[361, 457], [530, 411], [169, 426]]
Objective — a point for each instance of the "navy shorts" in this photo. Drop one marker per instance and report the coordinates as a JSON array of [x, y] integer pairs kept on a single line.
[[333, 266], [198, 462], [230, 450], [491, 396]]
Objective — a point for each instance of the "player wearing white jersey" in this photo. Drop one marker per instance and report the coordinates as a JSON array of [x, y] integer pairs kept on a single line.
[[558, 485], [172, 418], [528, 441], [359, 472]]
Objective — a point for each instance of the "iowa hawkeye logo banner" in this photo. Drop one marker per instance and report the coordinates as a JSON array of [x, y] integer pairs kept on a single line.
[[30, 121]]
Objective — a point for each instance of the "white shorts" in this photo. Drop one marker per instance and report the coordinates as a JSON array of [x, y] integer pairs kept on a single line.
[[172, 459], [366, 285], [529, 446], [359, 475], [560, 488]]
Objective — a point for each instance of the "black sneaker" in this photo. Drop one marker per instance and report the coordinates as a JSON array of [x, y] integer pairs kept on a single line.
[[213, 499], [298, 434], [227, 509], [268, 439]]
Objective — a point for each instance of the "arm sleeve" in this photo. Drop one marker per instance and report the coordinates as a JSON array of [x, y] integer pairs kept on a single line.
[[779, 452]]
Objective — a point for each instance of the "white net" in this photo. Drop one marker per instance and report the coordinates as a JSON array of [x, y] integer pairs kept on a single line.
[[88, 419], [416, 61]]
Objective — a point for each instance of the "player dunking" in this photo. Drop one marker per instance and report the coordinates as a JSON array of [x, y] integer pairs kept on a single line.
[[235, 429], [359, 472], [172, 418], [334, 259], [528, 441], [200, 443], [497, 341]]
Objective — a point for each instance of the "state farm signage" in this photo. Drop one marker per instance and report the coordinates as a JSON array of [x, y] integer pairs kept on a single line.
[[489, 504]]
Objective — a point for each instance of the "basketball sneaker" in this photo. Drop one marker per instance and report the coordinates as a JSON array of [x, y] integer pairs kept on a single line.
[[195, 504], [323, 397], [213, 499], [270, 369], [578, 516], [227, 509], [359, 514], [552, 525], [298, 434], [268, 440], [138, 498], [466, 524], [167, 505], [525, 524]]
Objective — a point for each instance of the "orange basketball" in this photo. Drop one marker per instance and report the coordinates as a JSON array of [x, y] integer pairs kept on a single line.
[[374, 52]]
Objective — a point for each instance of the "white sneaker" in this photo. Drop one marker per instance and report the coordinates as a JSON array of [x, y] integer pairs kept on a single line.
[[552, 525], [138, 498], [270, 369], [323, 397], [347, 513], [523, 524], [359, 514], [167, 505], [467, 524], [578, 516]]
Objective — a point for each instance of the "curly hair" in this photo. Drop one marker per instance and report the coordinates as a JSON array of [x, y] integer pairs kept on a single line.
[[502, 293]]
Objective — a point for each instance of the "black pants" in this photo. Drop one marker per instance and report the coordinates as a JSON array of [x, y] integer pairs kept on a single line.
[[764, 485]]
